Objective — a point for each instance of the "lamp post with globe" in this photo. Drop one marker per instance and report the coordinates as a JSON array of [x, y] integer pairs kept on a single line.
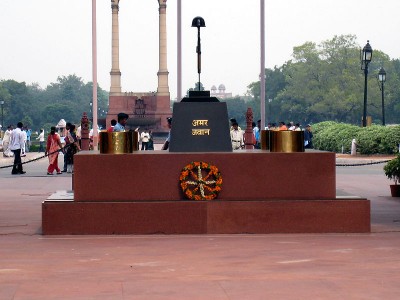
[[382, 79], [366, 57]]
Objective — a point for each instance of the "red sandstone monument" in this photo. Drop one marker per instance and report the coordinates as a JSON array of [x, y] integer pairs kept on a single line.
[[148, 110], [142, 192]]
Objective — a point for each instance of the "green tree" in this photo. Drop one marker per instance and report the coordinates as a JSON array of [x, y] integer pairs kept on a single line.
[[19, 101], [274, 83], [53, 113], [237, 108], [325, 82], [5, 96], [37, 106]]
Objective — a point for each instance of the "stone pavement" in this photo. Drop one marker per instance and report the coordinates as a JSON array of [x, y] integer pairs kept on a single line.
[[278, 266]]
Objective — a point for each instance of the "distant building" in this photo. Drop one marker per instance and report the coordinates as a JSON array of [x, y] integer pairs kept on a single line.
[[220, 93]]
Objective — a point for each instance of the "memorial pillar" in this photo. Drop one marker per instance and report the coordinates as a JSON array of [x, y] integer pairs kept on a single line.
[[163, 88], [85, 141], [115, 71], [248, 134]]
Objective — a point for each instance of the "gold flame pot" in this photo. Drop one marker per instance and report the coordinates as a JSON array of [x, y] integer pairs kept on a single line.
[[119, 142], [287, 141]]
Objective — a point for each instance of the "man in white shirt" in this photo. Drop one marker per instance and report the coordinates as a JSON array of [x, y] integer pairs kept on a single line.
[[41, 140], [16, 144], [145, 137], [236, 137]]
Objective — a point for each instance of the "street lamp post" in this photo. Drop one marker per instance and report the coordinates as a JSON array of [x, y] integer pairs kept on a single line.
[[366, 57], [382, 79]]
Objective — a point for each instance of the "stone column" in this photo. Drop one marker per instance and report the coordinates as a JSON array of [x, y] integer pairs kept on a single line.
[[115, 71], [85, 132], [163, 88], [248, 134]]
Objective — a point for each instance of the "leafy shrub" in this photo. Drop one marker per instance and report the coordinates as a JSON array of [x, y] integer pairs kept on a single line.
[[375, 139], [392, 169]]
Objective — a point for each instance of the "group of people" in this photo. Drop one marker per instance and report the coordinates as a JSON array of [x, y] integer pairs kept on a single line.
[[238, 139], [26, 136], [16, 142], [54, 146]]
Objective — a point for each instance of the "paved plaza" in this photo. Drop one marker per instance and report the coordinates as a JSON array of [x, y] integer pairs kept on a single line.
[[276, 266]]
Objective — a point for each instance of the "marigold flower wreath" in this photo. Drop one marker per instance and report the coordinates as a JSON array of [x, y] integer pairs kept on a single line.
[[200, 181]]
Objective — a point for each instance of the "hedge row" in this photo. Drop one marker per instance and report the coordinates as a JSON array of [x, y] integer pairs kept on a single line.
[[375, 139]]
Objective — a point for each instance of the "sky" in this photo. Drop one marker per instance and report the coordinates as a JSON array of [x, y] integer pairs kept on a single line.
[[41, 40]]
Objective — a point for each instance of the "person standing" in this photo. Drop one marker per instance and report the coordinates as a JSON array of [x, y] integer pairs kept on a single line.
[[6, 142], [282, 126], [308, 135], [16, 145], [166, 143], [150, 146], [257, 134], [232, 122], [67, 127], [23, 149], [72, 149], [79, 134], [41, 140], [297, 127], [28, 139], [236, 137], [145, 137], [53, 145], [122, 120], [113, 123]]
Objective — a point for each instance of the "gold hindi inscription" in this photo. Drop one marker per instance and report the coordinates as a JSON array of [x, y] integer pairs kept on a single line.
[[201, 131], [196, 123]]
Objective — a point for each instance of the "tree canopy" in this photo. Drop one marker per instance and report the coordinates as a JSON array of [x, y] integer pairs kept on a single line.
[[67, 98], [325, 82]]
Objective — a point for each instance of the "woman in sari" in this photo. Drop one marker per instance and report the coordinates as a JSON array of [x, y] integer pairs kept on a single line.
[[53, 145]]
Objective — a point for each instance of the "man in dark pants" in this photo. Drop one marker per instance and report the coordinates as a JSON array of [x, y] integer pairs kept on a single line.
[[166, 143], [67, 127], [16, 144], [308, 135]]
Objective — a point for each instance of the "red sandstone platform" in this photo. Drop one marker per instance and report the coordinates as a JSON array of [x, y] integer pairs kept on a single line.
[[247, 175], [214, 217], [262, 193]]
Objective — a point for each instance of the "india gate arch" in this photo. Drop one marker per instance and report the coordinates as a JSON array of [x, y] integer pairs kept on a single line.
[[147, 110]]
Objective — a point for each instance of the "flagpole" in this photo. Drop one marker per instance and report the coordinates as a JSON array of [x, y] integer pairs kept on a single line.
[[262, 62], [179, 46], [94, 70]]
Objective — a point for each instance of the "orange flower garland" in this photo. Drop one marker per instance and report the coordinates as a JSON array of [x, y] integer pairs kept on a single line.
[[200, 181]]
